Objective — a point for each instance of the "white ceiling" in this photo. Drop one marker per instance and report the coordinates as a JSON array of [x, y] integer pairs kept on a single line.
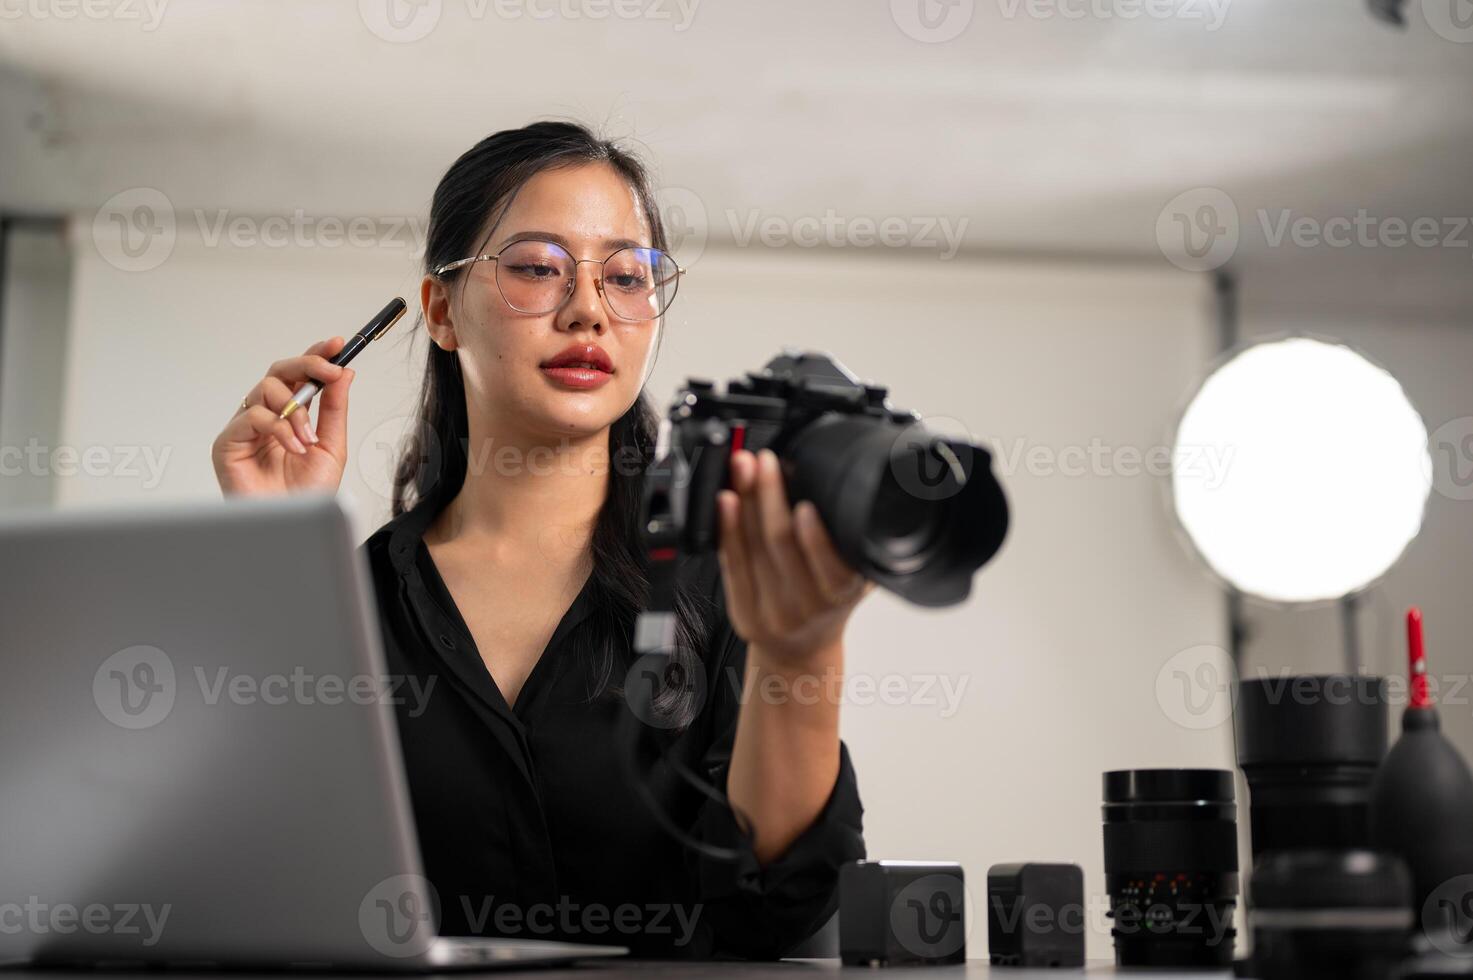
[[1044, 133]]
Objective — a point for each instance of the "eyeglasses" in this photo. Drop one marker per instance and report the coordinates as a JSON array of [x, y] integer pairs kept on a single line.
[[538, 277]]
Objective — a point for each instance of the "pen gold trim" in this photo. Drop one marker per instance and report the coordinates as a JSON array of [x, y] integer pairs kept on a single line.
[[375, 329]]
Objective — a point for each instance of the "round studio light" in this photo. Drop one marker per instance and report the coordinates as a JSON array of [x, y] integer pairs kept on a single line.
[[1300, 470]]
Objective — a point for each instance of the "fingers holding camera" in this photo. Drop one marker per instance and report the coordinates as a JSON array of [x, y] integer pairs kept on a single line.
[[838, 582], [770, 607], [787, 585], [768, 522], [736, 567]]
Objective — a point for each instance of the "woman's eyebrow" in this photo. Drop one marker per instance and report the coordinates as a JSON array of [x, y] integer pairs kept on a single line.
[[552, 236]]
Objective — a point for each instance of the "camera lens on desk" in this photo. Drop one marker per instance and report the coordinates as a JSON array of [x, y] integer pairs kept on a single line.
[[1329, 915], [1171, 866], [1309, 747]]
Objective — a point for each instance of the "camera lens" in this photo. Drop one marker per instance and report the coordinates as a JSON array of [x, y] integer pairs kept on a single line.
[[916, 512], [1329, 915], [904, 530], [1309, 747], [1171, 866]]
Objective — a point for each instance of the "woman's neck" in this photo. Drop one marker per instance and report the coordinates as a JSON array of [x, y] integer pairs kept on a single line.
[[528, 492]]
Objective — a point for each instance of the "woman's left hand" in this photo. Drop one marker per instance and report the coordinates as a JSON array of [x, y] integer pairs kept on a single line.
[[788, 592]]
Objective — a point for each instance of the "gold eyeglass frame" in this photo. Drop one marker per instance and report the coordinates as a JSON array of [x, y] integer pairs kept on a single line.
[[571, 284]]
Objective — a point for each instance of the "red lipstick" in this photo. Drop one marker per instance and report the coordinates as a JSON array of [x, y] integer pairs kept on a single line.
[[580, 366]]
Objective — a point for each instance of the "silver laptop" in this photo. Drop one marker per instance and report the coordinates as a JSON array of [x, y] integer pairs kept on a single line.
[[198, 757]]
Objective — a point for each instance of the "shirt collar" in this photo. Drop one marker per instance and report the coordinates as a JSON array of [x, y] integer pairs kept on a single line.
[[406, 532], [406, 536]]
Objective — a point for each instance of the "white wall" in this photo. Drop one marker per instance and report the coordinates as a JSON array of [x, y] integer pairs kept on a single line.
[[160, 357], [1050, 668], [1070, 629], [1013, 704], [37, 286]]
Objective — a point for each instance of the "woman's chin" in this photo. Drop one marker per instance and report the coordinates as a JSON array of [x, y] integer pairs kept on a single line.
[[575, 414], [584, 423]]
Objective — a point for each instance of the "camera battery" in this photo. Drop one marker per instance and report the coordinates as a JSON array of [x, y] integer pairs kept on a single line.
[[901, 913], [1035, 915]]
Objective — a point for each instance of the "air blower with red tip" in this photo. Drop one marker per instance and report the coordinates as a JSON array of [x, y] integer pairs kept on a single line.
[[1421, 805]]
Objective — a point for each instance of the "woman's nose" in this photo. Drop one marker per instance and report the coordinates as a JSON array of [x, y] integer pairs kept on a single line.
[[585, 308]]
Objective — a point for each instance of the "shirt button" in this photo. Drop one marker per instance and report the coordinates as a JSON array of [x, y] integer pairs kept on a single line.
[[447, 642]]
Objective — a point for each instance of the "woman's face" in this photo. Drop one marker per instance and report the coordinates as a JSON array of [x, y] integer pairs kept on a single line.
[[506, 356]]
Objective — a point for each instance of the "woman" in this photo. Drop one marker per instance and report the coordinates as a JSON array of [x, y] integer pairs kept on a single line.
[[510, 576]]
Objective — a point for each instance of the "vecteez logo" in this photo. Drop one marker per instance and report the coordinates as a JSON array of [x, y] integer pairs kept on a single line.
[[658, 674], [933, 459], [932, 21], [1198, 230], [398, 916], [400, 21], [683, 213], [135, 687], [1197, 688], [135, 230], [930, 917], [138, 687], [1451, 20], [1451, 444], [35, 917], [1447, 918]]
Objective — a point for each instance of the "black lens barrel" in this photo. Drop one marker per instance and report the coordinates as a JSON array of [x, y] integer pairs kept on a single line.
[[1330, 915], [1171, 865], [915, 512], [1309, 747]]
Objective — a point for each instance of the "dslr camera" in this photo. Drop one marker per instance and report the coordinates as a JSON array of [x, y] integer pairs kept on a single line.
[[914, 511]]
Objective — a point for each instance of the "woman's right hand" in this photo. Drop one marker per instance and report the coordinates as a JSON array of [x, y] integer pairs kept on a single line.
[[259, 453]]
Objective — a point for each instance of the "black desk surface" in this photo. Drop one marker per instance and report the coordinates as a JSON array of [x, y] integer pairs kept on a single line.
[[665, 970]]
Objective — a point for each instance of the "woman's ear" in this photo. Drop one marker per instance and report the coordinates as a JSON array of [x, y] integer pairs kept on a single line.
[[434, 298]]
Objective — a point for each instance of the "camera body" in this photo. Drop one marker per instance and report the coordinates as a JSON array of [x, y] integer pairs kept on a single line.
[[765, 410], [912, 510]]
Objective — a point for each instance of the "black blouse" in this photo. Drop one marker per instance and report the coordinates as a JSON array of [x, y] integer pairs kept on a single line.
[[529, 824]]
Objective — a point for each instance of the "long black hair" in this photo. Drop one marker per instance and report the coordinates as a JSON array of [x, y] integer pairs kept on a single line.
[[469, 201]]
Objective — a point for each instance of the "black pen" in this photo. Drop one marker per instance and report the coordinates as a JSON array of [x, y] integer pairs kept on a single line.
[[375, 329]]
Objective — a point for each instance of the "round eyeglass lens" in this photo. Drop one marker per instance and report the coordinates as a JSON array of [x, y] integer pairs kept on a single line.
[[537, 277], [534, 277], [640, 283]]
